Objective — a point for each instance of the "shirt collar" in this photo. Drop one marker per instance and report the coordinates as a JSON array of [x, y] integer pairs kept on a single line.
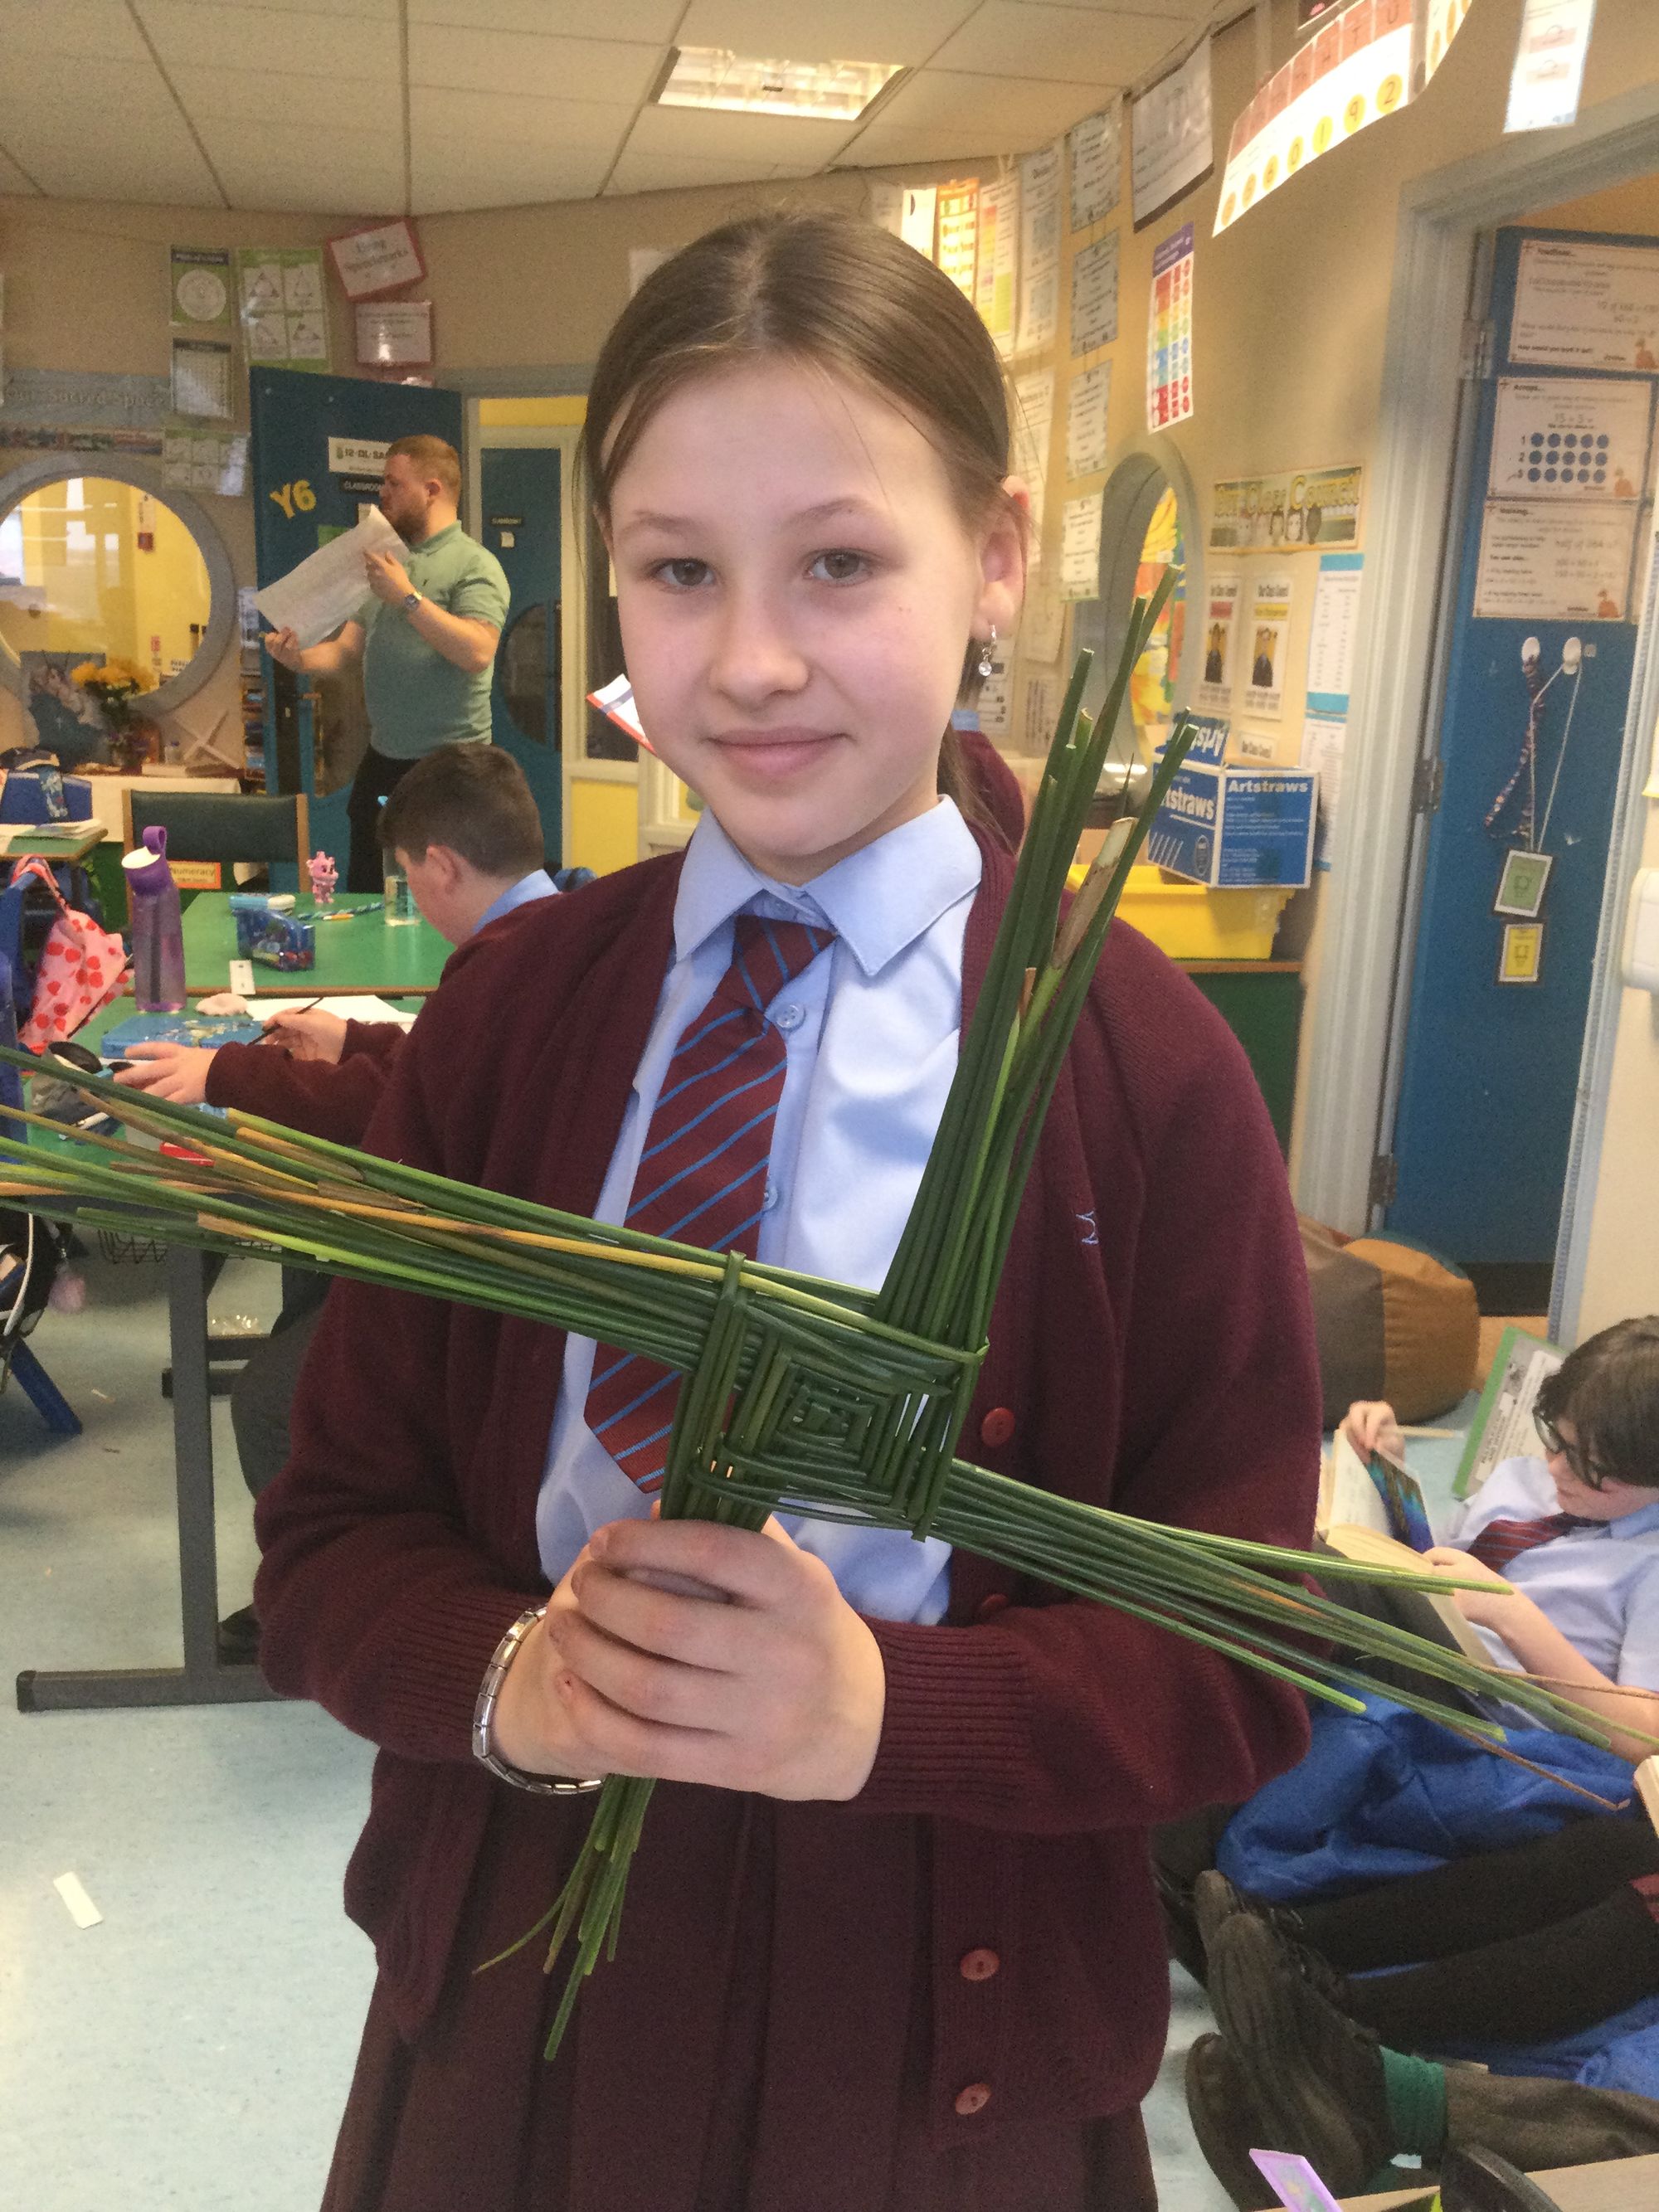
[[537, 884], [878, 900], [438, 538], [1643, 1523]]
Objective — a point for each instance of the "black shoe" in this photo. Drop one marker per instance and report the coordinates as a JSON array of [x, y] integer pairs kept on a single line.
[[239, 1638], [1315, 2074], [1215, 1899], [1227, 2124]]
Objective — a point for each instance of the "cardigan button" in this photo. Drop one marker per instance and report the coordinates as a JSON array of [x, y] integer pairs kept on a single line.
[[974, 2099], [979, 1966], [997, 1427], [988, 1608]]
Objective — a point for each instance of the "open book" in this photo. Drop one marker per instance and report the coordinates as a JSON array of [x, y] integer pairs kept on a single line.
[[1376, 1514]]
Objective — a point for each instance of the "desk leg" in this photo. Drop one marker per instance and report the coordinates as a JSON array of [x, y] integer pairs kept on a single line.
[[203, 1679]]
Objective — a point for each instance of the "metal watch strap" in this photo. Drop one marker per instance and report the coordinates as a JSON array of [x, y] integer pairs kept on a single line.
[[411, 600], [539, 1785]]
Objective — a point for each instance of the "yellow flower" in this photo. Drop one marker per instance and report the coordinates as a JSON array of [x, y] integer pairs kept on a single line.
[[85, 674]]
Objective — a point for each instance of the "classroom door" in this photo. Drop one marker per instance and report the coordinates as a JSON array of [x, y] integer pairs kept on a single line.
[[521, 523], [315, 456], [1522, 788]]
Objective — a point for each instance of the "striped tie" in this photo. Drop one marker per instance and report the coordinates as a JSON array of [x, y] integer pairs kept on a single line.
[[1500, 1542], [702, 1176]]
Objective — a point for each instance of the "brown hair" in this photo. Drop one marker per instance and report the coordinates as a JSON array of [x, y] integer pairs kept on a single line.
[[473, 799], [1609, 1388], [431, 457], [841, 295]]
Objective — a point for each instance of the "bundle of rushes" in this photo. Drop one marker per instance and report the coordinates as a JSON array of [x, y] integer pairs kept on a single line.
[[803, 1395]]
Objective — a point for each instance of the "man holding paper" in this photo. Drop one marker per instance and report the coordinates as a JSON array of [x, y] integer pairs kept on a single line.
[[426, 635]]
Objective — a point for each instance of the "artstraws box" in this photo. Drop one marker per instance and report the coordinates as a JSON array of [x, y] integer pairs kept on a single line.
[[1234, 828]]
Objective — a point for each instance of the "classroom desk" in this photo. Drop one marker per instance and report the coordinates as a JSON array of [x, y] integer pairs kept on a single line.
[[203, 1679], [1617, 2184], [20, 842], [357, 958]]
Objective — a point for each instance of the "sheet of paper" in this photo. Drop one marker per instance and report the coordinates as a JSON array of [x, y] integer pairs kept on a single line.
[[1094, 295], [887, 207], [328, 587], [918, 212], [1088, 403], [79, 1907], [1549, 64], [1580, 303], [1039, 251], [999, 255], [995, 701], [1503, 1427], [1265, 644], [1554, 563], [1334, 627], [1033, 428], [958, 231], [1079, 548], [1215, 685], [1569, 437], [367, 1008], [1324, 737], [1171, 144], [199, 288], [1096, 148], [1170, 333], [1042, 623], [201, 378]]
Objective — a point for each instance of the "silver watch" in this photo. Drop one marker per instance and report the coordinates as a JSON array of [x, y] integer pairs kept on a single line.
[[540, 1785], [411, 600]]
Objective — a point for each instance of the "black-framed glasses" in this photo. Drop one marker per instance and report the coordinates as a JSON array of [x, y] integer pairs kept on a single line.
[[1588, 1471]]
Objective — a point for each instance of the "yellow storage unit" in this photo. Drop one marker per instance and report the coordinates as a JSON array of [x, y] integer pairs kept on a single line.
[[1191, 923]]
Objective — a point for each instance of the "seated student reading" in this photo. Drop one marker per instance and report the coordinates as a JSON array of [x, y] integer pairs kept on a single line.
[[1570, 1543]]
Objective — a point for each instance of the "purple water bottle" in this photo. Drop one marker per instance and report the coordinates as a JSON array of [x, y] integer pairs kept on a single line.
[[158, 937], [11, 1084]]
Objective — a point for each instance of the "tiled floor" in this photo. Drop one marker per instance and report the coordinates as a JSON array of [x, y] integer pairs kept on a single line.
[[193, 2050]]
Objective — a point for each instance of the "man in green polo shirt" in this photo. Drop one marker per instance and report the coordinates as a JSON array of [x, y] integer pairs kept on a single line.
[[426, 635]]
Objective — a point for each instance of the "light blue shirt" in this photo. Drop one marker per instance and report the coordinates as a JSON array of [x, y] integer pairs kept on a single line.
[[537, 884], [870, 1032], [1599, 1585]]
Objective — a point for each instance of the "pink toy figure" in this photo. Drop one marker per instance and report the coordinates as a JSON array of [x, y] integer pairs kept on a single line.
[[324, 876]]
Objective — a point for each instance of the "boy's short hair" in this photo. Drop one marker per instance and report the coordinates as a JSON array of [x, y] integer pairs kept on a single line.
[[1609, 1388], [472, 797], [430, 457]]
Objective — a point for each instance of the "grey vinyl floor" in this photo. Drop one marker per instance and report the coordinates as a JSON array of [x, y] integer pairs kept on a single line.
[[192, 2050]]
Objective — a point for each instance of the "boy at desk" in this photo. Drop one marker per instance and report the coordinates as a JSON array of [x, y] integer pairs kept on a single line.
[[464, 827]]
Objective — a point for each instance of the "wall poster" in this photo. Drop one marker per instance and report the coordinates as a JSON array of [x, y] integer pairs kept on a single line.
[[1569, 437], [1220, 631], [1096, 147], [1171, 141], [1094, 295], [1579, 304], [1033, 434], [998, 253], [1265, 643], [280, 298], [958, 233], [1039, 251], [1170, 333], [1293, 512], [1088, 403], [1554, 561]]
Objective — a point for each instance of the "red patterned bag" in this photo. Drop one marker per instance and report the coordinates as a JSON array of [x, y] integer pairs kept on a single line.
[[81, 967]]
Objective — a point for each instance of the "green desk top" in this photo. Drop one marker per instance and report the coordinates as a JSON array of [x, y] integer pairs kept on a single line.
[[49, 844], [364, 955]]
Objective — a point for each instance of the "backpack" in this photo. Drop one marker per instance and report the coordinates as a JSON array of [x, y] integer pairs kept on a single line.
[[79, 967]]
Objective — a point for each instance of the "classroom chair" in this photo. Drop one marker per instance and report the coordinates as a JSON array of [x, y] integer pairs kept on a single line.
[[226, 826]]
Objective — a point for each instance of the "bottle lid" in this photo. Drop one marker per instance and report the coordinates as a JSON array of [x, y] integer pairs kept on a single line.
[[147, 864]]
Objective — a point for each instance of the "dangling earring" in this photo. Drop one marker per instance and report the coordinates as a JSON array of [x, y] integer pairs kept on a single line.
[[987, 648]]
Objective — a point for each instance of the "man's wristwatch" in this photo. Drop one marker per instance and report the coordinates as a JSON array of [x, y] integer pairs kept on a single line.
[[411, 600]]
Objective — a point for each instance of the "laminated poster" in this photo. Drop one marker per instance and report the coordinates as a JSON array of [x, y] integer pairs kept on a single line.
[[381, 256], [994, 702], [958, 233], [1569, 437], [283, 310], [1094, 295], [1169, 333], [1033, 429], [1079, 549], [1549, 64], [1324, 737], [1095, 149], [1300, 510], [1042, 623], [1265, 643], [201, 378], [1171, 143], [1585, 305], [1333, 630], [1039, 251], [918, 212], [1088, 403], [1220, 629], [999, 254], [194, 458], [1554, 563], [199, 289]]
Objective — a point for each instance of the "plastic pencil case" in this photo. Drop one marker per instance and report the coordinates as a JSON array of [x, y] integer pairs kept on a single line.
[[275, 940]]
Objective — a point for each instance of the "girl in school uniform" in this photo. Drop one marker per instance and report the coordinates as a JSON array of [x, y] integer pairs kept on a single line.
[[891, 1942]]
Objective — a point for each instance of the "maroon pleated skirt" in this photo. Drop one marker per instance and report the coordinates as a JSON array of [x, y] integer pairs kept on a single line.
[[759, 2044]]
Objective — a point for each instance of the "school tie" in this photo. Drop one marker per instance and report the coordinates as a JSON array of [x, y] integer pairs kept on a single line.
[[1500, 1542], [702, 1177]]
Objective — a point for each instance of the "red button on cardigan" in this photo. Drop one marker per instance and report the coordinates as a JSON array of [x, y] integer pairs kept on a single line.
[[997, 1427], [974, 2099], [988, 1608], [979, 1966]]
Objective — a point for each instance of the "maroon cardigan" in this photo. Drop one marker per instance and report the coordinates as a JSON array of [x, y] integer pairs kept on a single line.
[[324, 1098], [1152, 1347]]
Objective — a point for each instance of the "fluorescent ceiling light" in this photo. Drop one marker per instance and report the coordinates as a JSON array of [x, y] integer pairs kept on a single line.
[[830, 92]]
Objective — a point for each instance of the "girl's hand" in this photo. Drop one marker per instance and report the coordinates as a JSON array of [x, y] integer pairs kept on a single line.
[[779, 1689], [309, 1033], [1497, 1605], [532, 1728], [1370, 1425], [178, 1072]]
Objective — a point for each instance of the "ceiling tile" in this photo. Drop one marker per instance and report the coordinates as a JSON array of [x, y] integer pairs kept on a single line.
[[490, 120], [667, 172], [450, 175], [649, 22], [216, 97], [361, 12], [1017, 38], [363, 170], [1170, 11], [37, 84], [75, 156], [887, 145], [502, 61], [709, 135], [12, 179], [857, 30], [69, 29], [188, 36], [1027, 109]]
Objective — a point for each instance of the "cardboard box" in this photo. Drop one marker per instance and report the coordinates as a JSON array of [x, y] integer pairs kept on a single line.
[[1241, 828]]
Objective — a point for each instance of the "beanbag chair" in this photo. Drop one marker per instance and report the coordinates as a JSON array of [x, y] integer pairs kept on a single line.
[[1392, 1322]]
